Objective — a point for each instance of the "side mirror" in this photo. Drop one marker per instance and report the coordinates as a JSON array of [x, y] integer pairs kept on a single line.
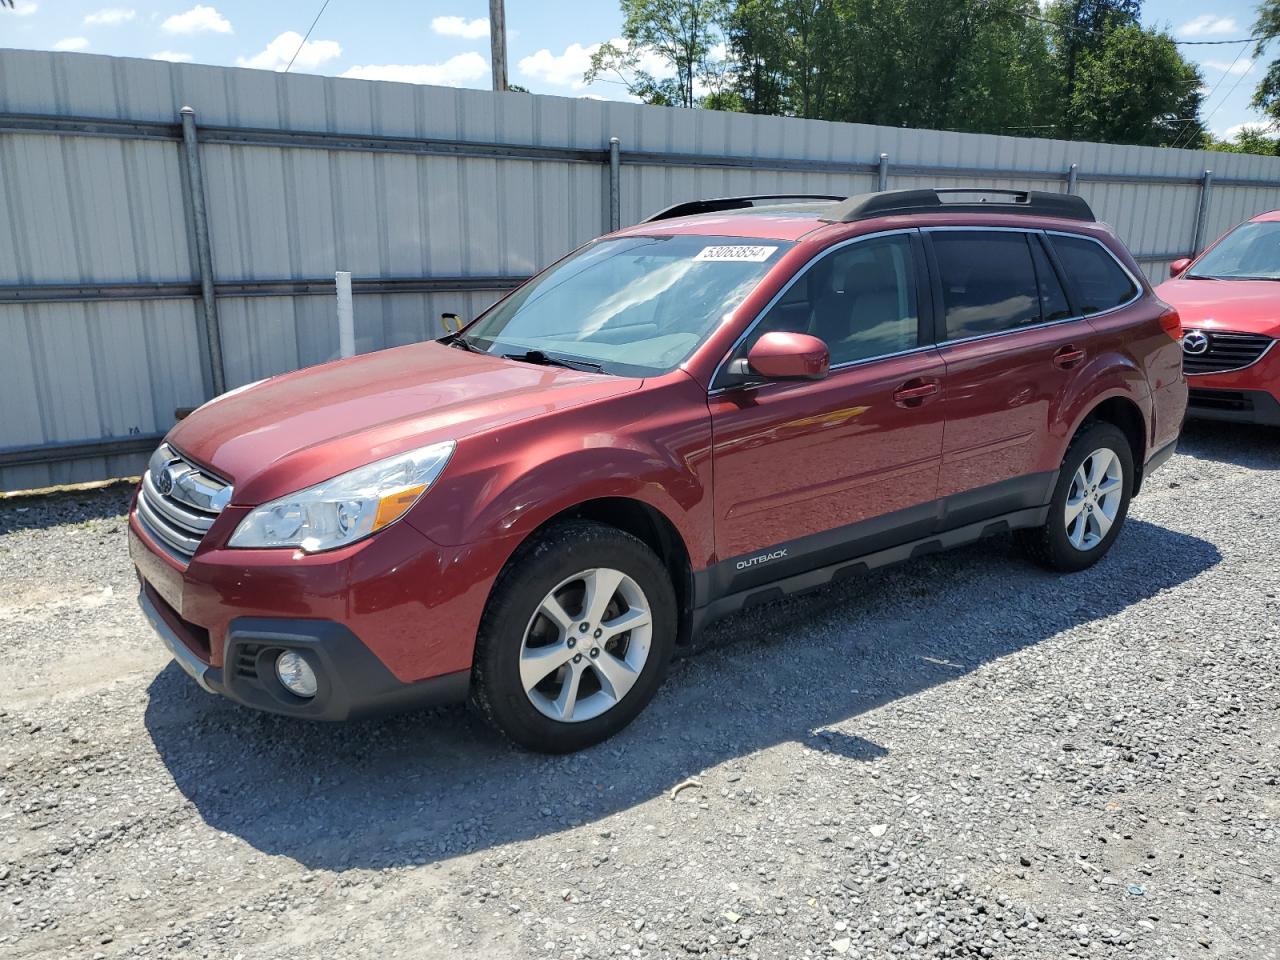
[[789, 356], [1179, 266]]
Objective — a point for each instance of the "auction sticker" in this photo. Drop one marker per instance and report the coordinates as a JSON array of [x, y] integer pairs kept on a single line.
[[740, 253]]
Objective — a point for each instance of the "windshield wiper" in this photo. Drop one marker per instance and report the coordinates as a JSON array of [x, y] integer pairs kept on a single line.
[[462, 343], [547, 360]]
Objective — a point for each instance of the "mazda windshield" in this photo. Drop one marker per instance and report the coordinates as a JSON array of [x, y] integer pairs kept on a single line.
[[1249, 252], [634, 306]]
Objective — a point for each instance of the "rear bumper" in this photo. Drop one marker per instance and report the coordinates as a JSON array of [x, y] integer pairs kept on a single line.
[[352, 682], [1234, 406]]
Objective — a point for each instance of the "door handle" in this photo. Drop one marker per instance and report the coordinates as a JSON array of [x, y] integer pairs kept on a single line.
[[915, 392], [1067, 357]]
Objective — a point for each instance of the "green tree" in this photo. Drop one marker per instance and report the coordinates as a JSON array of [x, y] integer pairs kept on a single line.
[[1257, 140], [679, 34], [1006, 83], [1134, 88], [1267, 26], [1082, 27]]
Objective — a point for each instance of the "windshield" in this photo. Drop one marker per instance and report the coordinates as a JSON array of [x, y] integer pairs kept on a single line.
[[1249, 252], [635, 306]]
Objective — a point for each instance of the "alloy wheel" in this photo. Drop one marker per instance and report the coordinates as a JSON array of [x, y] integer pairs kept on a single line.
[[1094, 499], [586, 645]]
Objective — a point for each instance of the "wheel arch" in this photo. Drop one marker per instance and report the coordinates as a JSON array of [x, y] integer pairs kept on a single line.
[[647, 524], [1122, 412]]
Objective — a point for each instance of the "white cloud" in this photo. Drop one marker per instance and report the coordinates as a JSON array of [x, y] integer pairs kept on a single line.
[[1237, 69], [25, 8], [564, 70], [281, 50], [455, 72], [1207, 23], [199, 19], [172, 56], [109, 17], [460, 27], [71, 43]]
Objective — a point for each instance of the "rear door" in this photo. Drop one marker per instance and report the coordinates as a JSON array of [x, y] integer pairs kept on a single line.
[[809, 472], [1012, 345]]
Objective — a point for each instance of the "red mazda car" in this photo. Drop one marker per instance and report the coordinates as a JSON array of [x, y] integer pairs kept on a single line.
[[1229, 300], [730, 402]]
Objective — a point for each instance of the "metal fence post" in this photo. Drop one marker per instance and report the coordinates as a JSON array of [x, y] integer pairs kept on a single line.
[[1073, 178], [346, 314], [884, 172], [1202, 214], [615, 183], [204, 256]]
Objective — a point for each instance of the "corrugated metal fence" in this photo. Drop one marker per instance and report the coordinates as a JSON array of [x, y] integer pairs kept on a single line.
[[125, 293]]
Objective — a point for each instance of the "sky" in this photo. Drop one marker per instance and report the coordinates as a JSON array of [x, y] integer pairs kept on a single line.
[[446, 41]]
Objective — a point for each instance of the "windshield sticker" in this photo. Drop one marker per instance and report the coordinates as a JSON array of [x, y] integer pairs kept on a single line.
[[739, 254]]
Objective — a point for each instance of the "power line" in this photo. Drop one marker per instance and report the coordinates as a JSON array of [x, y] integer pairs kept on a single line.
[[1211, 43], [1177, 141], [1227, 97], [308, 36]]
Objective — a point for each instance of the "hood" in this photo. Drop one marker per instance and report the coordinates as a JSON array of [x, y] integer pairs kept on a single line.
[[1248, 306], [300, 428]]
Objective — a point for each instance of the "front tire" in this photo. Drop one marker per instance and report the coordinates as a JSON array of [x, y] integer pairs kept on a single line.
[[1090, 502], [576, 638]]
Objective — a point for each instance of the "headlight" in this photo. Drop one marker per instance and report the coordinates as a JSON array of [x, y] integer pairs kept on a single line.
[[348, 507]]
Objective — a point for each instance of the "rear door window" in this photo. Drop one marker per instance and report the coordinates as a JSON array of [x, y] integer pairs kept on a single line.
[[988, 279], [1098, 281]]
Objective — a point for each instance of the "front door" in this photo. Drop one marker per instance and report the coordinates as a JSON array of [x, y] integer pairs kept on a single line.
[[808, 473]]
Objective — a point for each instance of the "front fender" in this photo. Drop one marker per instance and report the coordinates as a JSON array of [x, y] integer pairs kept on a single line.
[[652, 446]]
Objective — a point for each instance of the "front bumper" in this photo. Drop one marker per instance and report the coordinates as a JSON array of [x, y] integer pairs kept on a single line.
[[352, 681], [1234, 406], [1248, 395], [388, 623]]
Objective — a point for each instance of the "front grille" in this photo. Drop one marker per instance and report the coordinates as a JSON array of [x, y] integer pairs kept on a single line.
[[180, 516], [1232, 400], [1226, 351]]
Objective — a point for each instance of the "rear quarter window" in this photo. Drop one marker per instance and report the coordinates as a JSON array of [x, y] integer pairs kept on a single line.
[[1098, 281]]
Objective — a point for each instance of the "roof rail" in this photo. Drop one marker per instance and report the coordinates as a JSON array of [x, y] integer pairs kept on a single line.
[[961, 200], [691, 207]]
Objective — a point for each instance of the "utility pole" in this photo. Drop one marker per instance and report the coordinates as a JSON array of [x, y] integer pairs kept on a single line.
[[498, 43]]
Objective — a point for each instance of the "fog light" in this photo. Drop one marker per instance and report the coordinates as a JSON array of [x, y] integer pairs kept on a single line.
[[296, 674]]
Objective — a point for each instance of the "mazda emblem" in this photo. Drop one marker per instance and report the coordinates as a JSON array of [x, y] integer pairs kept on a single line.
[[1195, 342]]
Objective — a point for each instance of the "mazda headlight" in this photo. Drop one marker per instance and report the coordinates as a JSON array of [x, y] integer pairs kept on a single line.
[[347, 508]]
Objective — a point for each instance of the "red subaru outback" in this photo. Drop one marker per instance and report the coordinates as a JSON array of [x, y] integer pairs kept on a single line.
[[730, 402], [1229, 300]]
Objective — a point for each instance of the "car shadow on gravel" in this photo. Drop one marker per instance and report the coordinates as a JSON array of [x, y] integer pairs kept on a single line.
[[1242, 444], [427, 787]]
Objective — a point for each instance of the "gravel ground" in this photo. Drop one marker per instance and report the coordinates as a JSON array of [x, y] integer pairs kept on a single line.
[[963, 756]]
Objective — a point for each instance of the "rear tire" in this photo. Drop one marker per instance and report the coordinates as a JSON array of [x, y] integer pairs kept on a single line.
[[576, 638], [1090, 502]]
